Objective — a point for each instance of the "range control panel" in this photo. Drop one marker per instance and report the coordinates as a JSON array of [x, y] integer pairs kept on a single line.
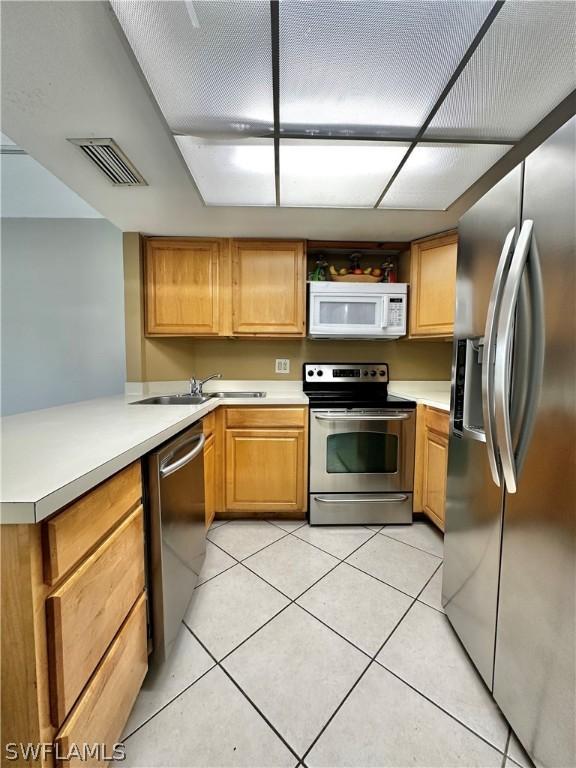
[[342, 373]]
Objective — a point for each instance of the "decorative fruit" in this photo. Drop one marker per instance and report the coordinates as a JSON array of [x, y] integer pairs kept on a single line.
[[343, 271], [377, 272], [358, 271], [333, 270], [368, 271]]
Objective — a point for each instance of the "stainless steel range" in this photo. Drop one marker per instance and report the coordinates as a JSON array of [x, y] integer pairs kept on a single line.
[[361, 446]]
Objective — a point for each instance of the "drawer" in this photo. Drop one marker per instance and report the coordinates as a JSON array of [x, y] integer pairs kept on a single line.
[[103, 708], [209, 423], [72, 534], [439, 421], [84, 613], [262, 416]]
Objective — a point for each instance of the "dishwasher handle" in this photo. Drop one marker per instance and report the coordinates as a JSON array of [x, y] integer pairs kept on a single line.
[[168, 469]]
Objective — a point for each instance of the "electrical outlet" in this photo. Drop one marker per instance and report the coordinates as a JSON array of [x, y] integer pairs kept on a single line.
[[282, 365]]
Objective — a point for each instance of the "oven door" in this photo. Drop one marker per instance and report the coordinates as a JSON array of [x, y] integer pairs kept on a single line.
[[363, 451], [348, 315]]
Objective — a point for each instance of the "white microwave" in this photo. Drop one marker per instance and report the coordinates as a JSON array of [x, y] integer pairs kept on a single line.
[[357, 310]]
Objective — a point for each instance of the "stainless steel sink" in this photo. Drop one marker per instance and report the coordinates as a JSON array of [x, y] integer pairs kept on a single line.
[[236, 394], [173, 400]]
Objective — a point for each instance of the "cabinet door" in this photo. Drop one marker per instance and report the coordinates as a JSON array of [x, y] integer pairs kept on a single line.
[[433, 286], [210, 479], [435, 466], [182, 287], [268, 288], [265, 470]]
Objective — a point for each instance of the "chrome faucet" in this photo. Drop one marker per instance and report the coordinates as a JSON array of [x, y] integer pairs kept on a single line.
[[197, 384]]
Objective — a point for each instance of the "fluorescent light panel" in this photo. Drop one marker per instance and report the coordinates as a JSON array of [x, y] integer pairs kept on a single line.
[[373, 66], [336, 174], [524, 66], [231, 172], [435, 175], [208, 63]]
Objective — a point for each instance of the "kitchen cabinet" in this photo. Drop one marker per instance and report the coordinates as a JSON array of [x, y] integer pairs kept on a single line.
[[74, 648], [217, 287], [432, 279], [209, 424], [265, 461], [268, 288], [431, 467], [182, 286]]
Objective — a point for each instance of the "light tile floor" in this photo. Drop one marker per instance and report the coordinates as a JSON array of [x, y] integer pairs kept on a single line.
[[319, 647]]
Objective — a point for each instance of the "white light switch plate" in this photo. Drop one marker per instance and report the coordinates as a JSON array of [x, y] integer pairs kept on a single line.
[[282, 365]]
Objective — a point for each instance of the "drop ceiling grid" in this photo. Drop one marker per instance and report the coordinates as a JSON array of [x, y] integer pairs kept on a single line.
[[435, 175], [326, 49], [524, 66]]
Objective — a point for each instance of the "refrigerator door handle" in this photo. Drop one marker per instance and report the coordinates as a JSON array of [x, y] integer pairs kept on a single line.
[[503, 356], [494, 306], [537, 347]]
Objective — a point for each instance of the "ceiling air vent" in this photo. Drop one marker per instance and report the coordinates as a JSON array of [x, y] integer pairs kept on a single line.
[[108, 156]]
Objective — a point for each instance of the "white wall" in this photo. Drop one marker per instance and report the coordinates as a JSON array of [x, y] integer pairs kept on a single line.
[[62, 312]]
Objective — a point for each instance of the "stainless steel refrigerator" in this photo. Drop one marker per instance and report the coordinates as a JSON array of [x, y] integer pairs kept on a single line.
[[509, 582]]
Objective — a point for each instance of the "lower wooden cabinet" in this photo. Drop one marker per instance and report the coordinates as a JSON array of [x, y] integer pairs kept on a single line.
[[210, 479], [101, 712], [264, 462], [106, 586], [73, 635], [431, 463]]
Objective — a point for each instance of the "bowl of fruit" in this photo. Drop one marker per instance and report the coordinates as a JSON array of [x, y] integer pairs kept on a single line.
[[355, 273]]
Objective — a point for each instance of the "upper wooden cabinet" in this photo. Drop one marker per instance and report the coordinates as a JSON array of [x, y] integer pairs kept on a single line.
[[215, 287], [182, 286], [433, 286], [268, 288]]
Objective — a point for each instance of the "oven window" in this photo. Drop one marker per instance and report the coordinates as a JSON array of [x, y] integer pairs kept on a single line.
[[347, 312], [362, 453]]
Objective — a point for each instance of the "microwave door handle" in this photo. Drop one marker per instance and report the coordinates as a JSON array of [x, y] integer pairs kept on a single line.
[[492, 317], [385, 312], [503, 356]]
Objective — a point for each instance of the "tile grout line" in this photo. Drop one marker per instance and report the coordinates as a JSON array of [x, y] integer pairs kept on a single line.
[[215, 664], [413, 546], [294, 600], [441, 708], [304, 522], [291, 602], [286, 533], [406, 594], [248, 699], [325, 551], [507, 747], [372, 660]]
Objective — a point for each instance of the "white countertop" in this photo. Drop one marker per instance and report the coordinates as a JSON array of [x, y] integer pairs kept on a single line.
[[433, 393], [52, 456]]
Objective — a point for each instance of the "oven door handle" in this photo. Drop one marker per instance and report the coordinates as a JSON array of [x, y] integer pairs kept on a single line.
[[384, 499], [392, 417]]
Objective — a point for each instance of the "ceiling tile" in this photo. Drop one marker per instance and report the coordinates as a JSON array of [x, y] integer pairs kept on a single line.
[[208, 64], [435, 175], [231, 172], [372, 66], [524, 66], [348, 174]]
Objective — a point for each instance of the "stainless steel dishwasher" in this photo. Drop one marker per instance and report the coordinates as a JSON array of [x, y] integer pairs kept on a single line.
[[177, 539]]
